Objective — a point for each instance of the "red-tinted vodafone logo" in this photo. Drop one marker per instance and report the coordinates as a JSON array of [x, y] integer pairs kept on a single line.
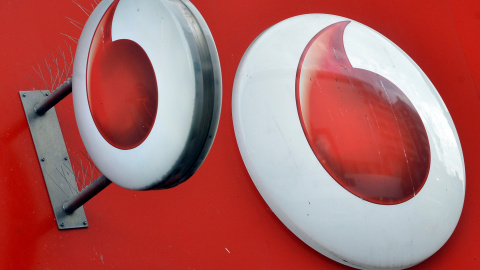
[[121, 86], [348, 142], [147, 91], [362, 128]]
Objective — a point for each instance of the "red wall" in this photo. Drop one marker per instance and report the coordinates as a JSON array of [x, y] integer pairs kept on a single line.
[[217, 219]]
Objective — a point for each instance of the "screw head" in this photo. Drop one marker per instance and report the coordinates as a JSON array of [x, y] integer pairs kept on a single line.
[[46, 94], [43, 159], [84, 223], [24, 95], [61, 224], [65, 158]]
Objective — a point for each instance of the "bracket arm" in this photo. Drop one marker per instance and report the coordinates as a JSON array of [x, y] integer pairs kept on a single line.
[[86, 194], [56, 96]]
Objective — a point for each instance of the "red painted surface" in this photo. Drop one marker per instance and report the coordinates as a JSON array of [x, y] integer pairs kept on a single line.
[[121, 87], [216, 219], [363, 129]]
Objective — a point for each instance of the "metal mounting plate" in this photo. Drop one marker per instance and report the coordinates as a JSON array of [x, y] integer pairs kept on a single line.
[[54, 161]]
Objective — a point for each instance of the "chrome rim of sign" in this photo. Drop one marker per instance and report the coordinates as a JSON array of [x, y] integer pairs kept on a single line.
[[348, 142], [147, 91]]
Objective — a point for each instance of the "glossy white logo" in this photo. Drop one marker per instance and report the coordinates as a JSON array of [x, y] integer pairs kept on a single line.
[[147, 91], [348, 142]]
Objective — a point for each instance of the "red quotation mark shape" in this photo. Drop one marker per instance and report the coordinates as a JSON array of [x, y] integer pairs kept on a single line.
[[121, 87], [362, 128]]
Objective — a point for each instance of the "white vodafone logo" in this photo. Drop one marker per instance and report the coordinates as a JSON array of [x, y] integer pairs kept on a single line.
[[348, 142], [147, 91]]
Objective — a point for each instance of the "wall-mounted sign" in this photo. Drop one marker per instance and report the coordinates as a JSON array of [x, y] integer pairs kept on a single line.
[[147, 91], [348, 142]]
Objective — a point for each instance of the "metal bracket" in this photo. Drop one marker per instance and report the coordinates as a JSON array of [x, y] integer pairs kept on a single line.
[[54, 161]]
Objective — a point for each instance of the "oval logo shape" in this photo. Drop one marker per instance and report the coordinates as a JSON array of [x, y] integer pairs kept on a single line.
[[362, 128], [147, 91], [348, 142]]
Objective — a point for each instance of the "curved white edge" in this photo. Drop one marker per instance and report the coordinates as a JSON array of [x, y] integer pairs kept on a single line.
[[216, 69]]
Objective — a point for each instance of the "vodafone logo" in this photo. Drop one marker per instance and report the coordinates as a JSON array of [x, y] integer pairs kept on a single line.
[[362, 128], [147, 91], [348, 142]]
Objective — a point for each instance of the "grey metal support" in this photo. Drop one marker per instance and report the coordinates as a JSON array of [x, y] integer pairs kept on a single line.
[[52, 154], [53, 158], [86, 194], [52, 99]]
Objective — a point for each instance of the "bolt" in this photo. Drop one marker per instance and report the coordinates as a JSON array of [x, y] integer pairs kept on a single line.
[[43, 159], [61, 224], [24, 95], [84, 223], [66, 158]]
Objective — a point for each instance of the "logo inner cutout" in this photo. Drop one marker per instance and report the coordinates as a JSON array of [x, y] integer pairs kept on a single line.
[[361, 127], [121, 87]]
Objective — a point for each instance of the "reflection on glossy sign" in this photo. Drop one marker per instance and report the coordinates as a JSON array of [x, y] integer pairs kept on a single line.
[[362, 128], [348, 142]]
